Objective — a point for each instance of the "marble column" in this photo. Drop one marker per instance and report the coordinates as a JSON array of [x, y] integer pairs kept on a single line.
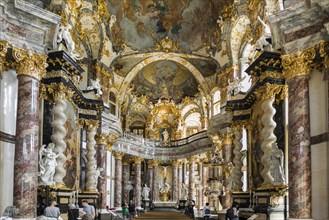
[[200, 185], [58, 136], [237, 170], [227, 156], [138, 181], [191, 182], [125, 179], [204, 183], [150, 180], [30, 69], [91, 184], [118, 179], [180, 180], [296, 69], [155, 180], [175, 188], [101, 164]]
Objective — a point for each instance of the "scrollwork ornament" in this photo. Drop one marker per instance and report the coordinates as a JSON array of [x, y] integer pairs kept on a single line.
[[29, 63]]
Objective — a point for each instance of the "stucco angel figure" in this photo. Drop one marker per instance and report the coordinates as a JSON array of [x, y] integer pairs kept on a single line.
[[234, 87], [146, 192], [47, 163], [64, 34], [264, 39], [95, 84]]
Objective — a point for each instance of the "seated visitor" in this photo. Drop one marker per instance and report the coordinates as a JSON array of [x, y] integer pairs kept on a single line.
[[88, 209], [52, 211], [206, 212], [233, 212]]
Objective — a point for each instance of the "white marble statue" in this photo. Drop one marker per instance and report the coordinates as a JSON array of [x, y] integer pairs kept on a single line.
[[165, 189], [64, 34], [95, 84], [146, 192], [47, 163], [184, 191], [262, 42], [97, 175], [234, 87], [277, 167], [165, 136]]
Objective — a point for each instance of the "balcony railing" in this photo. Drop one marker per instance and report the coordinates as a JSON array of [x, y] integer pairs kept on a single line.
[[150, 149]]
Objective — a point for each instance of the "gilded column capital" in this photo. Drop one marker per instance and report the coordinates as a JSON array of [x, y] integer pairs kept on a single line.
[[138, 160], [154, 163], [90, 124], [298, 64], [236, 125], [192, 159], [111, 139], [55, 91], [176, 162], [125, 162], [118, 155], [324, 53], [101, 138], [227, 138], [268, 91], [30, 64], [3, 52]]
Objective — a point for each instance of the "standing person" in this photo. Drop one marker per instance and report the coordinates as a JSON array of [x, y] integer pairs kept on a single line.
[[132, 209], [88, 209], [52, 211], [125, 211], [233, 212], [206, 212]]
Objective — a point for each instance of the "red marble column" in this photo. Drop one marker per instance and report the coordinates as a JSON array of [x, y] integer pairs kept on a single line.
[[30, 69], [175, 188], [155, 180], [228, 157], [118, 179], [138, 181], [26, 150], [125, 179], [299, 156], [101, 163]]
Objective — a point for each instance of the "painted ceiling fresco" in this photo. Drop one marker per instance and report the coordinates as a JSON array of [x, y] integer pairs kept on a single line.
[[123, 65], [165, 74], [141, 23]]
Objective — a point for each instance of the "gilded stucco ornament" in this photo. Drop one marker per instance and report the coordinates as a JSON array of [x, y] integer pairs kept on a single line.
[[298, 64], [55, 91], [324, 53], [111, 139], [3, 52], [227, 138], [138, 160], [269, 90], [101, 138], [29, 63], [166, 45], [118, 155], [90, 124]]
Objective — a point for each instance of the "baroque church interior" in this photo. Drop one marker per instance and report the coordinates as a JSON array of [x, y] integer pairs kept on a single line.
[[163, 102]]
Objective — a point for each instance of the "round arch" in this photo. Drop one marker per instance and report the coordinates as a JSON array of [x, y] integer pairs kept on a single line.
[[168, 56]]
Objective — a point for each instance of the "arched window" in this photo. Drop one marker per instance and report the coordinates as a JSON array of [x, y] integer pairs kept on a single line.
[[112, 103], [216, 103]]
